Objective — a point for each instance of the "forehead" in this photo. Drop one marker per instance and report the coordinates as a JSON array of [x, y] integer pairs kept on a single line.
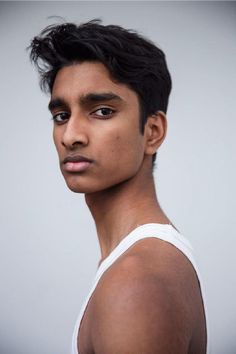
[[86, 77]]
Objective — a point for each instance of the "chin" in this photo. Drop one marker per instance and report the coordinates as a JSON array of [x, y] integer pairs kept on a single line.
[[83, 187], [86, 184], [88, 188], [78, 188], [77, 183]]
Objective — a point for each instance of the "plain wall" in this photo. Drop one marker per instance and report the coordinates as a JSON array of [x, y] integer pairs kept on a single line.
[[48, 246]]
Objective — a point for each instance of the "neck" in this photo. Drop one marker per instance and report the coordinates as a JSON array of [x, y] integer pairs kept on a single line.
[[120, 209]]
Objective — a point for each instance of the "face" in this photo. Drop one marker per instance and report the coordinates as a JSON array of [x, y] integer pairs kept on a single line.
[[96, 128]]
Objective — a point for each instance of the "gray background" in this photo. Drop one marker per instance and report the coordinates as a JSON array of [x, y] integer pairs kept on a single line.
[[48, 246]]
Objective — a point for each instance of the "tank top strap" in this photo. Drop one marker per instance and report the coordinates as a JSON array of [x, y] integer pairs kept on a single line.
[[165, 232]]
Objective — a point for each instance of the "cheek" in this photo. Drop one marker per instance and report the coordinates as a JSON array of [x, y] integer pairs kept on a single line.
[[124, 152], [54, 136], [56, 139]]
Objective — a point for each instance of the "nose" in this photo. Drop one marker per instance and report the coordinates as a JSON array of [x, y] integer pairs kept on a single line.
[[75, 133]]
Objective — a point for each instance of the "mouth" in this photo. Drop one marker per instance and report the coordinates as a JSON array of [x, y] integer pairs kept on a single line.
[[76, 163]]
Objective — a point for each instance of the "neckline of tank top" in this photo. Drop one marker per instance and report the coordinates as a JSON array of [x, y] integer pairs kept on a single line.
[[164, 228]]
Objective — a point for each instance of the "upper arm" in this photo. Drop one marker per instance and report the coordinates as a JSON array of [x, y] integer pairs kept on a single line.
[[140, 313]]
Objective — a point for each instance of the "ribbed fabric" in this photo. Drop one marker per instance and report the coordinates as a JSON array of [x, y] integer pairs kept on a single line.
[[163, 232]]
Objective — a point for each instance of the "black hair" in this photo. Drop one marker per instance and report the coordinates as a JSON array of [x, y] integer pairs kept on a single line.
[[130, 58]]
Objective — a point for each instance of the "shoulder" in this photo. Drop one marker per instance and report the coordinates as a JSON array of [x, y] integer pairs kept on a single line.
[[147, 293], [150, 264]]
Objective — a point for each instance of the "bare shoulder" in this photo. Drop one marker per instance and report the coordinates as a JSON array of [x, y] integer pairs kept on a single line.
[[151, 292]]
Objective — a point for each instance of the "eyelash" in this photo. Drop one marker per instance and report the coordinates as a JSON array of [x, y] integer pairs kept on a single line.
[[66, 115], [55, 116], [105, 116]]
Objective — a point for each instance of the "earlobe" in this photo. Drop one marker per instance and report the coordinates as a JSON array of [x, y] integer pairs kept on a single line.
[[155, 132]]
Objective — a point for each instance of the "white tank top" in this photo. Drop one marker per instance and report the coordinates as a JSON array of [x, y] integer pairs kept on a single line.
[[163, 232]]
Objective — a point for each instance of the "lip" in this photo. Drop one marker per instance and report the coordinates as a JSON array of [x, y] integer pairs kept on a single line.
[[76, 163]]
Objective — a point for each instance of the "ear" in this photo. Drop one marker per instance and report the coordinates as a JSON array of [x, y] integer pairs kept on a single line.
[[155, 132]]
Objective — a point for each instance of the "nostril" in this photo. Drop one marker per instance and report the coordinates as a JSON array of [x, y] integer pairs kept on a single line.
[[77, 143], [73, 141]]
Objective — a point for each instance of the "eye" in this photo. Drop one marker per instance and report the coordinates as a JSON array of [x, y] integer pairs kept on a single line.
[[60, 118], [104, 112]]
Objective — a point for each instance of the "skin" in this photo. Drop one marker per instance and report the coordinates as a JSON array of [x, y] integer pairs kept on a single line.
[[151, 291]]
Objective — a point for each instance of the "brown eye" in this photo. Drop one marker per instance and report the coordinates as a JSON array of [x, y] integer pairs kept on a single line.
[[60, 117], [104, 112]]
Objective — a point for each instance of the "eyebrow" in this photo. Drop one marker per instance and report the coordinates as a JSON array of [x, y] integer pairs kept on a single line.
[[98, 97], [87, 99], [56, 103]]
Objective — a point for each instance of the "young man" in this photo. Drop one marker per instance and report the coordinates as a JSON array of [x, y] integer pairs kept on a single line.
[[109, 93]]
